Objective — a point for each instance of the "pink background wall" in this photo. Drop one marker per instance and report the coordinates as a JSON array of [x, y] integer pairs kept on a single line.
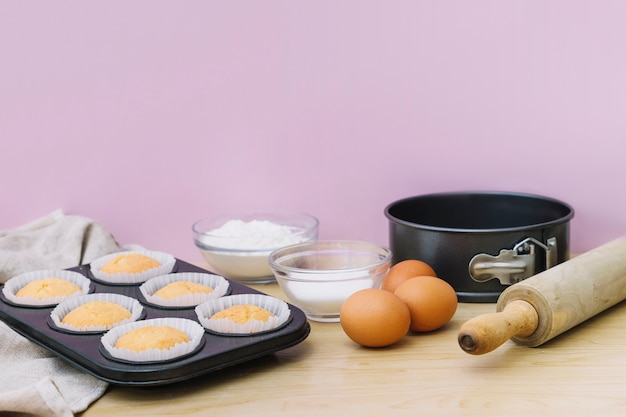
[[147, 115]]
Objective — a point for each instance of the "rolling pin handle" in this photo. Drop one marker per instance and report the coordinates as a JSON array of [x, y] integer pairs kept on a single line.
[[467, 343], [486, 332]]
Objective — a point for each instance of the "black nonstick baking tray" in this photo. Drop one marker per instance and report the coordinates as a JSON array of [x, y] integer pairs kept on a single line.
[[217, 352]]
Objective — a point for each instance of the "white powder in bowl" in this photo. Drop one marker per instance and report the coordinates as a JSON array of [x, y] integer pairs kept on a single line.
[[238, 247], [253, 235]]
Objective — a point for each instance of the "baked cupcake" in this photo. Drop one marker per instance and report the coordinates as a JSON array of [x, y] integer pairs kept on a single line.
[[183, 289], [153, 340], [132, 267], [243, 314], [163, 337], [45, 288], [95, 312]]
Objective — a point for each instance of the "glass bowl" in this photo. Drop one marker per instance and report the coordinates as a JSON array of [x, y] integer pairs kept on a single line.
[[236, 245], [318, 276]]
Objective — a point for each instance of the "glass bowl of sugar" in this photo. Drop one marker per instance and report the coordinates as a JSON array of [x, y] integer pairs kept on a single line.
[[236, 245], [319, 276]]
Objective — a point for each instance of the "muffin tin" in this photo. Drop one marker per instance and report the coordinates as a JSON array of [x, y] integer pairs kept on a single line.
[[217, 351]]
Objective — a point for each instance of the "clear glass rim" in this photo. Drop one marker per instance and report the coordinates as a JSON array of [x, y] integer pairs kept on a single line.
[[310, 223], [275, 256]]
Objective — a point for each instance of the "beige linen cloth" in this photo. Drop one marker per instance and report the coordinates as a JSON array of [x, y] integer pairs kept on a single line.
[[33, 382]]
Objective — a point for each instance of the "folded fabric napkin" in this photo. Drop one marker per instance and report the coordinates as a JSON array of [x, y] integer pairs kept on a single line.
[[33, 381]]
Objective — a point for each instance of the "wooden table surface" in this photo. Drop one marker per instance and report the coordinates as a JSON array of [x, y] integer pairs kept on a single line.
[[580, 373]]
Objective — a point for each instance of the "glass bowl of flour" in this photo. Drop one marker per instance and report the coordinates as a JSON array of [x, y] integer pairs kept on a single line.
[[236, 245]]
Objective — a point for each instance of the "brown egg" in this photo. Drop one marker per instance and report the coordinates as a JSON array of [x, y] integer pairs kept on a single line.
[[404, 270], [374, 317], [431, 301]]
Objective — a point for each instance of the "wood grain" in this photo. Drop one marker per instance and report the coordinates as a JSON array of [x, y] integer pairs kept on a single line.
[[580, 373]]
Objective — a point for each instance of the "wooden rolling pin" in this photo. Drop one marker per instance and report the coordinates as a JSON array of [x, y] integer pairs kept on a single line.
[[541, 307]]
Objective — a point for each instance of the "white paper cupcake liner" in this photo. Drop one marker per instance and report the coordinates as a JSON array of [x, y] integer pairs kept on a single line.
[[194, 331], [131, 304], [226, 326], [13, 285], [166, 260], [219, 284]]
